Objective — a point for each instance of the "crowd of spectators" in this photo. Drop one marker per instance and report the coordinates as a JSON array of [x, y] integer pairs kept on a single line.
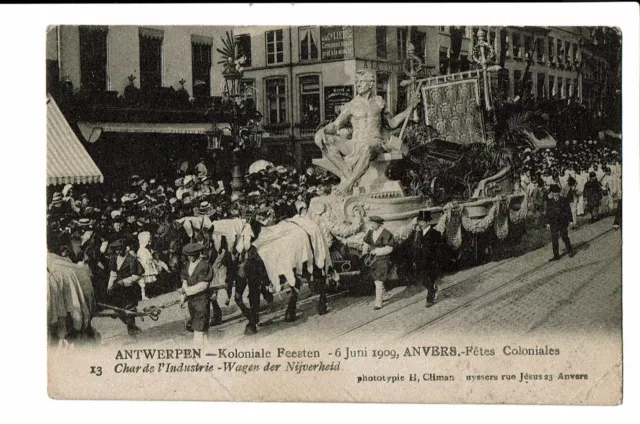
[[158, 215], [588, 174]]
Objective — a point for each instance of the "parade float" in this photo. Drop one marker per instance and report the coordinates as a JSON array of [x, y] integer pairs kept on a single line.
[[451, 106]]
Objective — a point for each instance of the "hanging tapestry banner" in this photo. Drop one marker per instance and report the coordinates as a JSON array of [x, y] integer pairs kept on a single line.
[[452, 108]]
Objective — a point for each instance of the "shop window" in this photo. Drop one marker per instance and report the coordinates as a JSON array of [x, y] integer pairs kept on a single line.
[[517, 46], [201, 65], [507, 45], [503, 83], [419, 41], [455, 46], [402, 99], [540, 88], [560, 52], [540, 49], [93, 57], [381, 42], [382, 86], [517, 83], [528, 83], [528, 47], [310, 101], [275, 47], [243, 42], [150, 58], [560, 87], [464, 63], [492, 38], [401, 38], [276, 100], [308, 46], [248, 88], [444, 60]]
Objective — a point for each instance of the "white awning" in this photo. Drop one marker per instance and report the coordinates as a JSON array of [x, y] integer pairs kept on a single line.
[[91, 131]]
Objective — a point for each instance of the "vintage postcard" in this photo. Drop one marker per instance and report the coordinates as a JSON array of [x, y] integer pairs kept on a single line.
[[335, 213]]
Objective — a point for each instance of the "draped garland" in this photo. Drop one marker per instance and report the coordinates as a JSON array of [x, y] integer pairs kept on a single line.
[[501, 222], [453, 227], [478, 226], [516, 217], [455, 217]]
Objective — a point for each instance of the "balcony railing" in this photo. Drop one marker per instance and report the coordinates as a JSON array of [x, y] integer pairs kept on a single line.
[[306, 129], [158, 105], [278, 130]]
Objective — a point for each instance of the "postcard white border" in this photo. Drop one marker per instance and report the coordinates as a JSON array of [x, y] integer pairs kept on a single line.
[[22, 109]]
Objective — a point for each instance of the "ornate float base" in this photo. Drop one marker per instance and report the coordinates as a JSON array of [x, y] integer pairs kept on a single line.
[[375, 179]]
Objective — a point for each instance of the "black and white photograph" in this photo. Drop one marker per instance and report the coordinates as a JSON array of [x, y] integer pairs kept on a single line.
[[367, 213]]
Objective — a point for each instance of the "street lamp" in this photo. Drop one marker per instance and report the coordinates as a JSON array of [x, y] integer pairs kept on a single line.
[[483, 55], [255, 136], [232, 85], [213, 138]]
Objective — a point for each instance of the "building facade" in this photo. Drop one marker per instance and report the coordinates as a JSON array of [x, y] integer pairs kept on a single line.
[[299, 76], [105, 57]]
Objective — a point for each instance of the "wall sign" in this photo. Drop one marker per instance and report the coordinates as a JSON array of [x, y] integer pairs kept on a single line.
[[336, 42], [382, 66], [334, 98]]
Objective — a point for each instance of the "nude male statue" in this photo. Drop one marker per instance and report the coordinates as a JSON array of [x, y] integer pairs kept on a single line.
[[365, 113]]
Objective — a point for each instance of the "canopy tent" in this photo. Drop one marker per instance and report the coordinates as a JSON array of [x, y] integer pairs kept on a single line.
[[67, 160]]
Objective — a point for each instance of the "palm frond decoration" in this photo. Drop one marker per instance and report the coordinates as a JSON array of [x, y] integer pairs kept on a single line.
[[227, 52]]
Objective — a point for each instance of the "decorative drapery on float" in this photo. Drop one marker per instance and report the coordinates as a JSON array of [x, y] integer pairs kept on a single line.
[[456, 217]]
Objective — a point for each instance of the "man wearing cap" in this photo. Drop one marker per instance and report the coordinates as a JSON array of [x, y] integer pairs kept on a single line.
[[122, 289], [378, 244], [58, 206], [196, 276], [201, 168], [558, 219], [428, 254], [187, 187], [593, 196]]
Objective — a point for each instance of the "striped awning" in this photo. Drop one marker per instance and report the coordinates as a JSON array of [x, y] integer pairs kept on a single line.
[[67, 160]]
